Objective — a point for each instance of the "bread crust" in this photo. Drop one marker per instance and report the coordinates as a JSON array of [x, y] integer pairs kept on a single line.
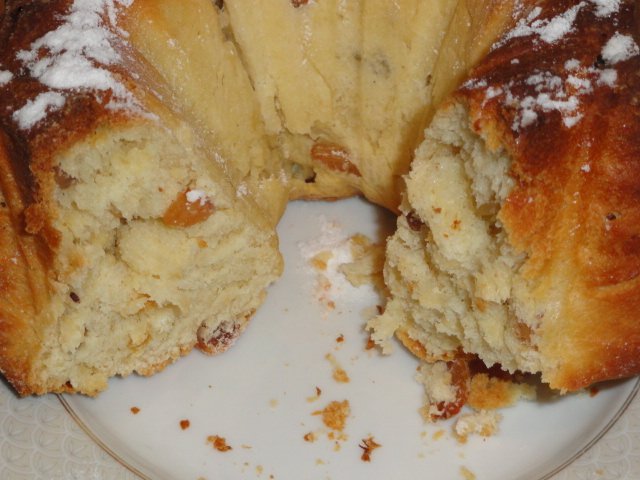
[[575, 207], [28, 240]]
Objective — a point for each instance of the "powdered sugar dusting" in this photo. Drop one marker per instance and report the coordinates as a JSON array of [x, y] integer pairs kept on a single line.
[[242, 190], [619, 48], [323, 256], [608, 77], [196, 196], [562, 91], [35, 110], [5, 77], [551, 95], [554, 29], [604, 8], [548, 30], [72, 57]]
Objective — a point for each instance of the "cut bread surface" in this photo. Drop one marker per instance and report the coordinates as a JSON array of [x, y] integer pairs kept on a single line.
[[450, 268], [515, 242], [156, 254]]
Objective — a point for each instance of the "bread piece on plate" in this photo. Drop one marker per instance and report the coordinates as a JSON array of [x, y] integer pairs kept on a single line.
[[519, 240], [124, 243]]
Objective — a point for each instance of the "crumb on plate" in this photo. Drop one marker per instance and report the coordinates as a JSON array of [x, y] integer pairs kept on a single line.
[[316, 396], [219, 443], [339, 373], [467, 474], [368, 445], [483, 423], [335, 414]]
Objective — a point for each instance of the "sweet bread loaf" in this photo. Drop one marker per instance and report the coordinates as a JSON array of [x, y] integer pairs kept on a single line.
[[518, 241], [149, 147], [124, 244]]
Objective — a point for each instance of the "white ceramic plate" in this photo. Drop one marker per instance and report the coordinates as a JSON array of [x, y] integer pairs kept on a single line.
[[261, 397]]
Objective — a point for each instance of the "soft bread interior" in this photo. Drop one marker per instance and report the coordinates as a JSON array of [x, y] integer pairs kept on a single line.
[[157, 249], [455, 281]]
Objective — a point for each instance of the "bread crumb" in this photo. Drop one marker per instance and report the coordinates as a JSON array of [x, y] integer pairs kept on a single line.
[[484, 423], [219, 443], [370, 344], [366, 265], [368, 445], [310, 437], [467, 474], [320, 261], [135, 410], [335, 414], [316, 396], [339, 374], [325, 254], [184, 424], [340, 338], [438, 434]]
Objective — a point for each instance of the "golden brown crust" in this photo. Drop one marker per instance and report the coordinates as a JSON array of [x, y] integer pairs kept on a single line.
[[23, 282], [575, 209]]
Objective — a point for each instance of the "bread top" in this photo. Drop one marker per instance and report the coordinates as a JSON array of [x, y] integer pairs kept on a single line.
[[560, 93], [66, 72]]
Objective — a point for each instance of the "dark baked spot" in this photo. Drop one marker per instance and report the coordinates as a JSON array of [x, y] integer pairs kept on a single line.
[[414, 221]]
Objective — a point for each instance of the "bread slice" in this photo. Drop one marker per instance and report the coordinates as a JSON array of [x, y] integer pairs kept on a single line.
[[518, 241], [124, 243]]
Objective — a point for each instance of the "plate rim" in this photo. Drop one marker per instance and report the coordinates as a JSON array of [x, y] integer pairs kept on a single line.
[[632, 398]]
